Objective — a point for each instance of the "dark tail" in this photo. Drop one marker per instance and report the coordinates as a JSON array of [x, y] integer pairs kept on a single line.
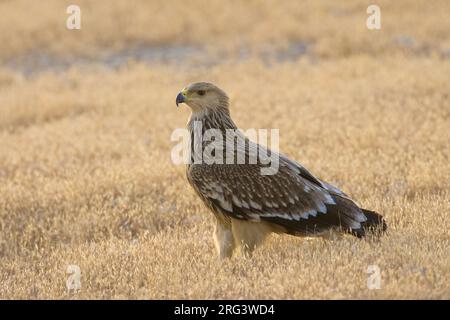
[[374, 225]]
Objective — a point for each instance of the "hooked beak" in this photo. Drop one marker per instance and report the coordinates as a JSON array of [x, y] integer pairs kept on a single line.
[[181, 97]]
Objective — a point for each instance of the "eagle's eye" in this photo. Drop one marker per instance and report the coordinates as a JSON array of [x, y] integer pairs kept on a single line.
[[201, 92]]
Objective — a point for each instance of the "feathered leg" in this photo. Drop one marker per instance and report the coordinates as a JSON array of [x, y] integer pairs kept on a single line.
[[248, 235], [224, 241]]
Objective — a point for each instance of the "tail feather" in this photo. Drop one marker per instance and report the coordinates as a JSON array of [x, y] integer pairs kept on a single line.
[[375, 224]]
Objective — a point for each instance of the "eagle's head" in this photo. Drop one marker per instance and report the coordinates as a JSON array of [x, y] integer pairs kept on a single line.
[[201, 96]]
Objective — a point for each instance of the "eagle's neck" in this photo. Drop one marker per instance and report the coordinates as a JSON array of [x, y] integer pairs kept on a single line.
[[215, 121], [214, 118]]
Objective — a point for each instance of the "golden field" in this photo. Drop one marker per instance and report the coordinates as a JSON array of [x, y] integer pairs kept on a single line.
[[86, 176]]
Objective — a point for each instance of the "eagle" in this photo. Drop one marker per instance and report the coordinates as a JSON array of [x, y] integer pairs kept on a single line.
[[249, 205]]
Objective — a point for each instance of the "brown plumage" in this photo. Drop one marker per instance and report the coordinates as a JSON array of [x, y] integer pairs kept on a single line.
[[248, 205]]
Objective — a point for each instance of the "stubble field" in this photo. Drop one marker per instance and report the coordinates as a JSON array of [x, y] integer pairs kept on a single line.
[[86, 176]]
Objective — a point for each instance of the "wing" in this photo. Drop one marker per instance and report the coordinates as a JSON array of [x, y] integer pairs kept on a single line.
[[292, 198]]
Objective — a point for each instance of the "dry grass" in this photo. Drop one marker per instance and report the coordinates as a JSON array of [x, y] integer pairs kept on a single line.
[[86, 176], [334, 29]]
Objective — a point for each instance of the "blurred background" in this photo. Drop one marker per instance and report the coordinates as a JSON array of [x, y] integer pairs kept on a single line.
[[34, 36], [86, 116]]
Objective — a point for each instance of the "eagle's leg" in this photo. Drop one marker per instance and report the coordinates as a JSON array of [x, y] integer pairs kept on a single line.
[[248, 235], [223, 237]]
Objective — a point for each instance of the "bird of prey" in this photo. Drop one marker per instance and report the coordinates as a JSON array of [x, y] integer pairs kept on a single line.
[[248, 205]]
